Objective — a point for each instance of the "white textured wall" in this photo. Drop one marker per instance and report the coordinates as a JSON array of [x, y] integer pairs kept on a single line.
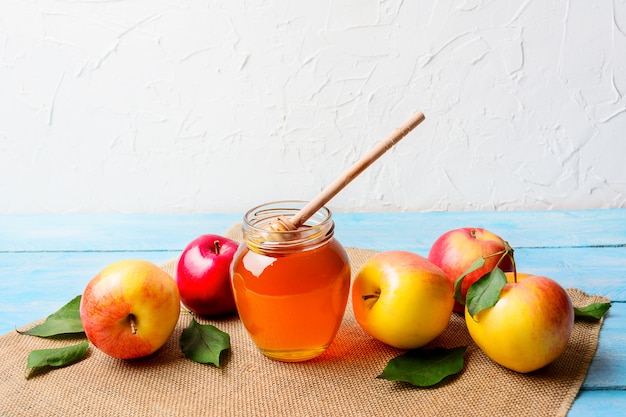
[[215, 106]]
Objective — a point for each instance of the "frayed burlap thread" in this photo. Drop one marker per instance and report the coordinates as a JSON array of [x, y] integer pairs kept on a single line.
[[341, 382]]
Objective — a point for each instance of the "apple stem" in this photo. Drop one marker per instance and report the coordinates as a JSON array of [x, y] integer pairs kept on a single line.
[[133, 324], [514, 267], [217, 247], [508, 251]]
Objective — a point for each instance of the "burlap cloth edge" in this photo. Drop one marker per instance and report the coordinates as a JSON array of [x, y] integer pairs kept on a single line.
[[340, 382]]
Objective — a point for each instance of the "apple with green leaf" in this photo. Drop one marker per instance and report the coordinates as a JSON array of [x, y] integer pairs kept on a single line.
[[402, 299], [130, 309], [456, 250], [521, 321]]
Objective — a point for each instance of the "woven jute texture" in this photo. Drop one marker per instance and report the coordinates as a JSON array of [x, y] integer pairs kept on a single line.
[[340, 382]]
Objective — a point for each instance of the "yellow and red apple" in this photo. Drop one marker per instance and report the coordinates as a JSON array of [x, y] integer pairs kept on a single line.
[[402, 299], [456, 250], [528, 327], [130, 309]]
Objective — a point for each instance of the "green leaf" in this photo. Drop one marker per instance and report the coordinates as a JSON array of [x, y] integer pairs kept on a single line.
[[63, 322], [458, 295], [424, 368], [485, 292], [204, 343], [592, 311], [43, 360]]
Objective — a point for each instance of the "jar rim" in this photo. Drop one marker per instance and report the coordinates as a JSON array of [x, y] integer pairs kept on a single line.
[[289, 206], [317, 230]]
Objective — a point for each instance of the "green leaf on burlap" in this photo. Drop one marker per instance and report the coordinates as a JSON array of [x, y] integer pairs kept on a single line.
[[425, 367], [204, 343], [592, 311], [485, 292], [458, 295], [65, 321], [43, 360]]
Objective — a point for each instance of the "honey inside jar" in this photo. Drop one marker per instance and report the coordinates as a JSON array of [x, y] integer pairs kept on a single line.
[[291, 289]]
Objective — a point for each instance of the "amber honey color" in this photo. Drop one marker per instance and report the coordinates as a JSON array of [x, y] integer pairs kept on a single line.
[[292, 304]]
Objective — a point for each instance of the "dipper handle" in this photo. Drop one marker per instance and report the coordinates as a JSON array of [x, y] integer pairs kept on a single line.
[[366, 160]]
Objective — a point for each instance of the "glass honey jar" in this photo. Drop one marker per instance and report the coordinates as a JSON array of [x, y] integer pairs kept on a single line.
[[291, 287]]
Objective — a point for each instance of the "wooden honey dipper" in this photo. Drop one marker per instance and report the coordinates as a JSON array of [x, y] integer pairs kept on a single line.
[[283, 223]]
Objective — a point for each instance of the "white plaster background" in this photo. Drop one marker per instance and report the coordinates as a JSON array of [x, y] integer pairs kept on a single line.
[[216, 106]]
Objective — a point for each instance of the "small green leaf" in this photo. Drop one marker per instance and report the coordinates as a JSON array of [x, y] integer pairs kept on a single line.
[[592, 311], [485, 292], [204, 343], [63, 322], [43, 360], [425, 367]]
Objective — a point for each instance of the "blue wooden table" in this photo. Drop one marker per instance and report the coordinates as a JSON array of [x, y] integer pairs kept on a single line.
[[45, 260]]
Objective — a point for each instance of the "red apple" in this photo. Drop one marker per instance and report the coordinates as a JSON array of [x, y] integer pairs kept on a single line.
[[456, 250], [528, 327], [203, 275], [130, 309]]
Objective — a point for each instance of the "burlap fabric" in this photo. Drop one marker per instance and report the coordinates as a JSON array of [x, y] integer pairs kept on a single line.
[[341, 382]]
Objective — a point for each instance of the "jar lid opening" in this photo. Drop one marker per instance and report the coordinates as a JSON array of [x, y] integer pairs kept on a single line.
[[259, 236]]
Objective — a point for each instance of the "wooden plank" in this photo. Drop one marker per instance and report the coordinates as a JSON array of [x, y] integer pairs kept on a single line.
[[114, 232], [34, 285], [417, 231], [599, 404], [608, 367], [412, 231], [594, 270]]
